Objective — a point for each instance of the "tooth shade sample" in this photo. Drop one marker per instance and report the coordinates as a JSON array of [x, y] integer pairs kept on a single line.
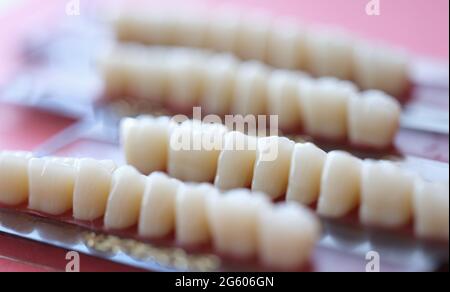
[[114, 73], [92, 187], [51, 183], [431, 209], [157, 217], [124, 202], [250, 94], [271, 172], [287, 235], [324, 104], [373, 119], [233, 219], [253, 38], [305, 174], [14, 177], [340, 185], [192, 226], [236, 161], [146, 142]]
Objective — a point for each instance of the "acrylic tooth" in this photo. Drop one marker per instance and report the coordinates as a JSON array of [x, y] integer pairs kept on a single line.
[[287, 236], [222, 34], [124, 202], [431, 209], [191, 28], [253, 37], [14, 177], [386, 195], [340, 185], [233, 219], [236, 161], [271, 172], [373, 119], [305, 174], [51, 183], [92, 187], [157, 217]]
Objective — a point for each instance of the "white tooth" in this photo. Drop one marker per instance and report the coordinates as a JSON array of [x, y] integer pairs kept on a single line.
[[386, 195], [236, 161], [157, 218], [114, 70], [253, 37], [431, 210], [191, 218], [271, 172], [233, 219], [51, 183], [14, 177], [324, 104], [287, 235], [340, 184], [92, 186], [194, 151], [124, 202], [191, 28], [146, 142], [223, 31], [250, 93], [373, 119], [306, 171]]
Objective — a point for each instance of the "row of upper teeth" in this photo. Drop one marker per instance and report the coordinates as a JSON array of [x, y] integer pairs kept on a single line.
[[387, 195], [182, 78], [239, 223], [281, 44]]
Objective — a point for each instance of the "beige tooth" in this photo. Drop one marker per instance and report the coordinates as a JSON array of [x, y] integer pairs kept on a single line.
[[431, 209], [373, 119], [51, 183], [253, 37], [305, 175], [386, 194], [92, 187], [157, 217], [191, 29], [124, 202], [223, 29], [14, 177], [271, 172], [236, 161], [340, 185], [287, 236], [233, 219]]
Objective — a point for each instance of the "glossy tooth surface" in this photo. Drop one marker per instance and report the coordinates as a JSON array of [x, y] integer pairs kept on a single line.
[[273, 160], [14, 177], [92, 186], [253, 37], [124, 202], [386, 195], [340, 185], [157, 217], [305, 174]]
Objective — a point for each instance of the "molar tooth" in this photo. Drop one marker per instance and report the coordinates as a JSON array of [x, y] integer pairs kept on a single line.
[[14, 177]]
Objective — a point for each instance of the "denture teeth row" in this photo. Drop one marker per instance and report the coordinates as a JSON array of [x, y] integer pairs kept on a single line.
[[239, 223], [283, 44], [338, 182], [182, 78]]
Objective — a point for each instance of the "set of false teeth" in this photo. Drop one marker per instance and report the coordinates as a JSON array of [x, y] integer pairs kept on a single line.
[[386, 195], [183, 78], [282, 44], [239, 223]]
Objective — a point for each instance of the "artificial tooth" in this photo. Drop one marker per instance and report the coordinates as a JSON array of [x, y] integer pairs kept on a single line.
[[222, 34], [191, 29], [14, 177], [113, 69], [253, 37]]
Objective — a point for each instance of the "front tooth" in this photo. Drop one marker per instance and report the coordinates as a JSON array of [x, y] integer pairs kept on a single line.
[[236, 161], [191, 218], [253, 37], [92, 186], [14, 177], [124, 202], [157, 217], [305, 174], [373, 119], [431, 210], [113, 69], [324, 104], [51, 182], [233, 219], [191, 29], [340, 184], [222, 34], [271, 172], [287, 236], [386, 195]]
